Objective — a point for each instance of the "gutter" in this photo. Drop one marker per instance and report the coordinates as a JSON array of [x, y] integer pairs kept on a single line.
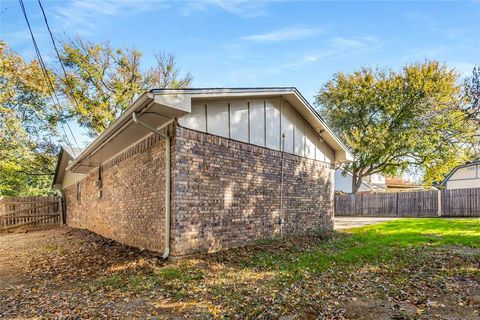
[[135, 119], [144, 100]]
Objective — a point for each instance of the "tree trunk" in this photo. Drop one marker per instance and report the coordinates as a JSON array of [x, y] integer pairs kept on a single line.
[[356, 182]]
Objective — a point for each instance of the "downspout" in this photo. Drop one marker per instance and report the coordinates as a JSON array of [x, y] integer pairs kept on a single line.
[[166, 252], [282, 220]]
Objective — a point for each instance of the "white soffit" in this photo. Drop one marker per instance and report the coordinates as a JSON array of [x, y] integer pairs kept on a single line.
[[152, 109]]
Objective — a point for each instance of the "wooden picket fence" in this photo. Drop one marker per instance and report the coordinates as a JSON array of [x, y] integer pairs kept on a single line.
[[448, 203], [31, 212]]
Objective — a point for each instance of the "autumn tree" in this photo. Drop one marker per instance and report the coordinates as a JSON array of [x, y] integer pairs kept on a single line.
[[472, 94], [472, 99], [28, 124], [101, 82], [395, 119]]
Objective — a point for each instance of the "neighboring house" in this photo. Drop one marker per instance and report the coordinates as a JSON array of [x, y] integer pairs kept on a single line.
[[189, 170], [397, 184], [63, 178], [373, 183], [343, 183], [463, 176], [377, 182]]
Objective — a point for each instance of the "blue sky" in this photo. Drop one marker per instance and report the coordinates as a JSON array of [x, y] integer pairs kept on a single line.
[[271, 43]]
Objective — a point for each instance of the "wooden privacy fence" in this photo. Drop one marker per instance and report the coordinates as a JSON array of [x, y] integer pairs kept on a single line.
[[461, 202], [18, 212], [455, 203]]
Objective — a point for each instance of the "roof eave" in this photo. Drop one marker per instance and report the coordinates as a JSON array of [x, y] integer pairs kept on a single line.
[[143, 100], [180, 100]]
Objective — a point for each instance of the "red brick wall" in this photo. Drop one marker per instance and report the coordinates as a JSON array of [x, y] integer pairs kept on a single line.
[[227, 193], [131, 209]]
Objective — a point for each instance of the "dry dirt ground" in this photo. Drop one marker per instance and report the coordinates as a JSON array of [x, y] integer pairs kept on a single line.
[[68, 273]]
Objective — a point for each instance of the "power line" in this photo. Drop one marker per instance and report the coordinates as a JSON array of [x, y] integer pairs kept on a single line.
[[51, 37], [60, 61], [45, 73]]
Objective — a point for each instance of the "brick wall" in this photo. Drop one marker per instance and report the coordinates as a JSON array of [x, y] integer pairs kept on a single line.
[[131, 209], [227, 193], [224, 194]]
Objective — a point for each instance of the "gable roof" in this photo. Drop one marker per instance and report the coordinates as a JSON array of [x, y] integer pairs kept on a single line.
[[465, 165], [65, 155], [166, 104]]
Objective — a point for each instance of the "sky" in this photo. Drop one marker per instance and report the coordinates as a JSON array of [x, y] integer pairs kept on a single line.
[[237, 43]]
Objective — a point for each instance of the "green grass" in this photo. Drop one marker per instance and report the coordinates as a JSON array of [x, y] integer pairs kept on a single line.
[[376, 243], [173, 277], [407, 259]]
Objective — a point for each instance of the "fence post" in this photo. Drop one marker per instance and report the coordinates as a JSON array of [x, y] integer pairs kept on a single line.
[[439, 203], [60, 210], [396, 203]]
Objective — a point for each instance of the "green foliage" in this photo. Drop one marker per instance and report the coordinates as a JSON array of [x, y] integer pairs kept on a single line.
[[472, 94], [27, 127], [392, 120], [102, 82]]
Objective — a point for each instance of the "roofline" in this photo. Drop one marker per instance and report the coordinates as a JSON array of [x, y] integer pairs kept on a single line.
[[246, 89], [445, 180], [261, 89], [324, 123], [57, 166], [144, 100], [141, 101], [59, 160], [405, 185]]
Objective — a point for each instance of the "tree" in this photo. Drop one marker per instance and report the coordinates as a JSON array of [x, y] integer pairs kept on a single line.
[[101, 82], [392, 120], [472, 94], [472, 98], [27, 127]]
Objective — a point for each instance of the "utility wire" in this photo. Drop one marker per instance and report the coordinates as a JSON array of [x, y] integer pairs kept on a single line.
[[61, 65], [51, 37], [45, 73]]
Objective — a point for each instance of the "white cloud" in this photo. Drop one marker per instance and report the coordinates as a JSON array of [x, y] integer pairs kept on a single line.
[[291, 33], [241, 8], [356, 43], [82, 16], [337, 46], [296, 64]]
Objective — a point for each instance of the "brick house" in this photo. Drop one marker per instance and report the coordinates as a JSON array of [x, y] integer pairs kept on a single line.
[[189, 170]]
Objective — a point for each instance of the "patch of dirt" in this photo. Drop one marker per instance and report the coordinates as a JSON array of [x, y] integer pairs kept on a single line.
[[69, 273], [48, 273]]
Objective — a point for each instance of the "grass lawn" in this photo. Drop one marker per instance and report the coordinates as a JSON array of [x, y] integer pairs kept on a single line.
[[402, 269]]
